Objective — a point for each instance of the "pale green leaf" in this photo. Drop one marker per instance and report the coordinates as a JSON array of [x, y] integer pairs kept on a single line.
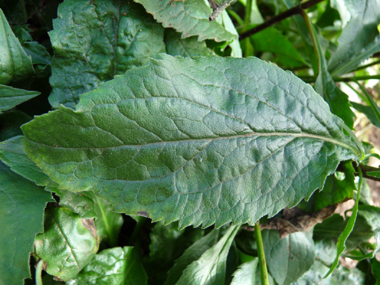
[[93, 42], [21, 218], [210, 268], [15, 65], [68, 243], [114, 266], [188, 47], [246, 274], [10, 97], [204, 141], [229, 26], [190, 18], [290, 257], [193, 253]]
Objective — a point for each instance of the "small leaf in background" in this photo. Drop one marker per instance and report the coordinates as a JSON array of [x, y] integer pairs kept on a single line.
[[246, 274], [193, 253], [11, 97], [368, 111], [210, 268], [190, 18], [272, 40], [206, 141], [94, 42], [230, 27], [288, 258], [21, 218], [116, 266], [10, 123], [359, 38], [188, 47], [68, 243], [15, 64]]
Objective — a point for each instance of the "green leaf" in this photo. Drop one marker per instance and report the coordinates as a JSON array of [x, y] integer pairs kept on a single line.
[[206, 141], [375, 266], [210, 268], [288, 258], [368, 111], [190, 18], [68, 243], [11, 97], [272, 40], [193, 253], [10, 123], [116, 266], [15, 64], [93, 42], [230, 27], [188, 47], [359, 38], [21, 214], [246, 274]]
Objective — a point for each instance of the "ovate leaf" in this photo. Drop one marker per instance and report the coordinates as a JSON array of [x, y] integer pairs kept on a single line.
[[246, 274], [21, 218], [202, 141], [190, 18], [11, 97], [67, 244], [210, 268], [116, 266], [93, 42], [288, 258], [15, 65], [188, 47]]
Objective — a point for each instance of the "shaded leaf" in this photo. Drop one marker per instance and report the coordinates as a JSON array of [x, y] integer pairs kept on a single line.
[[368, 111], [206, 141], [93, 42], [21, 218], [190, 18], [116, 266], [246, 274], [11, 97], [67, 245], [188, 47], [10, 123], [15, 64], [288, 258], [359, 38], [210, 268], [193, 253]]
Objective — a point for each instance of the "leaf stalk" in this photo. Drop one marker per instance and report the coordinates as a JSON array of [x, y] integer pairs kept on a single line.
[[261, 253], [39, 272]]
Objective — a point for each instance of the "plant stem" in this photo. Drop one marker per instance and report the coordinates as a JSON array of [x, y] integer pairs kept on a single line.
[[313, 35], [310, 79], [288, 13], [248, 8], [136, 230], [367, 65], [261, 253], [39, 272]]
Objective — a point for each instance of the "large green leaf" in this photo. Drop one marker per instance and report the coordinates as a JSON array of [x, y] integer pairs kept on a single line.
[[21, 218], [68, 243], [94, 41], [210, 268], [15, 65], [358, 38], [116, 266], [202, 141], [191, 18], [11, 97], [288, 258]]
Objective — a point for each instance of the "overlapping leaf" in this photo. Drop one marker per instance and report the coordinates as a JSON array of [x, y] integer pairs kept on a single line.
[[21, 218], [191, 18], [11, 97], [203, 141], [95, 41]]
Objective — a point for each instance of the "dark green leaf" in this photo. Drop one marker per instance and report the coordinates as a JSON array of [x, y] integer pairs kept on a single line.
[[359, 38], [193, 253], [188, 47], [191, 18], [68, 243], [94, 42], [210, 268], [21, 214], [272, 40], [368, 111], [114, 266], [15, 64], [11, 97], [206, 141], [10, 123], [375, 266], [246, 274], [288, 258], [374, 173]]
